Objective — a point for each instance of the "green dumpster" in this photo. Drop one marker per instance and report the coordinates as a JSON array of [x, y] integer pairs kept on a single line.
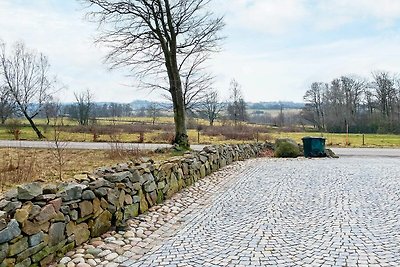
[[314, 147]]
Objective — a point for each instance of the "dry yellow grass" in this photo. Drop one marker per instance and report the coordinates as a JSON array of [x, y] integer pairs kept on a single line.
[[20, 165]]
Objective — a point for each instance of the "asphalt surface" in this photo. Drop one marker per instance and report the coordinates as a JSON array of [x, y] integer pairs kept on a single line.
[[341, 152], [367, 152], [87, 145]]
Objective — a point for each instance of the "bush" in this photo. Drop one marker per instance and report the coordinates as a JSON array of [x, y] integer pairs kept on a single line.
[[286, 149], [14, 128]]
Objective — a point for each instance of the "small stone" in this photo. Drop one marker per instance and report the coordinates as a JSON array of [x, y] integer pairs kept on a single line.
[[88, 256], [12, 206], [31, 228], [56, 203], [71, 192], [88, 195], [86, 208], [94, 251], [92, 262], [36, 239], [46, 214], [56, 233], [29, 191], [111, 264], [118, 177], [101, 192], [35, 210], [4, 203], [129, 234], [3, 251], [101, 224], [50, 189], [10, 232], [78, 260], [77, 255], [111, 256], [65, 260], [25, 263], [18, 247], [21, 215], [11, 194], [104, 253]]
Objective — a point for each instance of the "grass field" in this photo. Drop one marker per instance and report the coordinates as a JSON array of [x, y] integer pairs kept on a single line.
[[164, 133], [20, 165], [353, 140]]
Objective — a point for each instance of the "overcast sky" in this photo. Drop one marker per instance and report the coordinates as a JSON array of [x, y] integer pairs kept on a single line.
[[274, 48]]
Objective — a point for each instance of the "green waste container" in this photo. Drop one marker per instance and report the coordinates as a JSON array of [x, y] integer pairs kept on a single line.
[[314, 147]]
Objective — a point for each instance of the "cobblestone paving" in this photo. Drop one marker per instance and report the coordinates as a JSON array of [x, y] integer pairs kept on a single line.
[[276, 212], [295, 213]]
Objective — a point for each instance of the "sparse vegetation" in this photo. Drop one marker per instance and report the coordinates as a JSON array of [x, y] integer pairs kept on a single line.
[[20, 165]]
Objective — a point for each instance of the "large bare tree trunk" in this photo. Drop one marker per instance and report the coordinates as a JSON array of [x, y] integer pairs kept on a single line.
[[34, 127], [181, 137]]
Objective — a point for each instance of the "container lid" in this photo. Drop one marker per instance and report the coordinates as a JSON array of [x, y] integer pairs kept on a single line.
[[313, 137]]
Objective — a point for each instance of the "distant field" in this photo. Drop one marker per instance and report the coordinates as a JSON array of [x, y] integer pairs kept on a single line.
[[275, 112]]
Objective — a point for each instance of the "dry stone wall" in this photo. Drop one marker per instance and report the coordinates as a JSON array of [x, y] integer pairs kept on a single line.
[[41, 221]]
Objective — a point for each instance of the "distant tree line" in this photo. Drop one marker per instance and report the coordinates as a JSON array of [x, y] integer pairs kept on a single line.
[[355, 104]]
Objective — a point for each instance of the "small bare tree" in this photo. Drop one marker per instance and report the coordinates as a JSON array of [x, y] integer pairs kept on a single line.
[[211, 106], [59, 147], [153, 111], [314, 103], [6, 105], [84, 105], [51, 110], [237, 109], [26, 76]]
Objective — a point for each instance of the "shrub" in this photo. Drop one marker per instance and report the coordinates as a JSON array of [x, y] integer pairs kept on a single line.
[[14, 128], [286, 149]]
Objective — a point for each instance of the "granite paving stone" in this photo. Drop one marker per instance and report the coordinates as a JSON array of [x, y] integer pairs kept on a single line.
[[268, 212]]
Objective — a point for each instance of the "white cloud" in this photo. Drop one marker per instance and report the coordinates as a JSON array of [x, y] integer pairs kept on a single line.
[[67, 40], [330, 14], [271, 16], [286, 74], [285, 16]]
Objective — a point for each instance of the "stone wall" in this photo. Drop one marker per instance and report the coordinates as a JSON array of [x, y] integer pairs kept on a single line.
[[41, 221]]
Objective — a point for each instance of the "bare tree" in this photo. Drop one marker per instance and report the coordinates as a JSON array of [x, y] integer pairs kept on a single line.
[[59, 149], [51, 109], [237, 109], [314, 103], [153, 111], [211, 106], [158, 38], [6, 105], [385, 92], [84, 105], [25, 74]]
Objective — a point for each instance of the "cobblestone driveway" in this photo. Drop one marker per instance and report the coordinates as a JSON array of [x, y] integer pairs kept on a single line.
[[300, 212]]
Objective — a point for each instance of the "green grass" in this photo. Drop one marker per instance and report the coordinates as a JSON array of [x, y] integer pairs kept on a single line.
[[353, 140]]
